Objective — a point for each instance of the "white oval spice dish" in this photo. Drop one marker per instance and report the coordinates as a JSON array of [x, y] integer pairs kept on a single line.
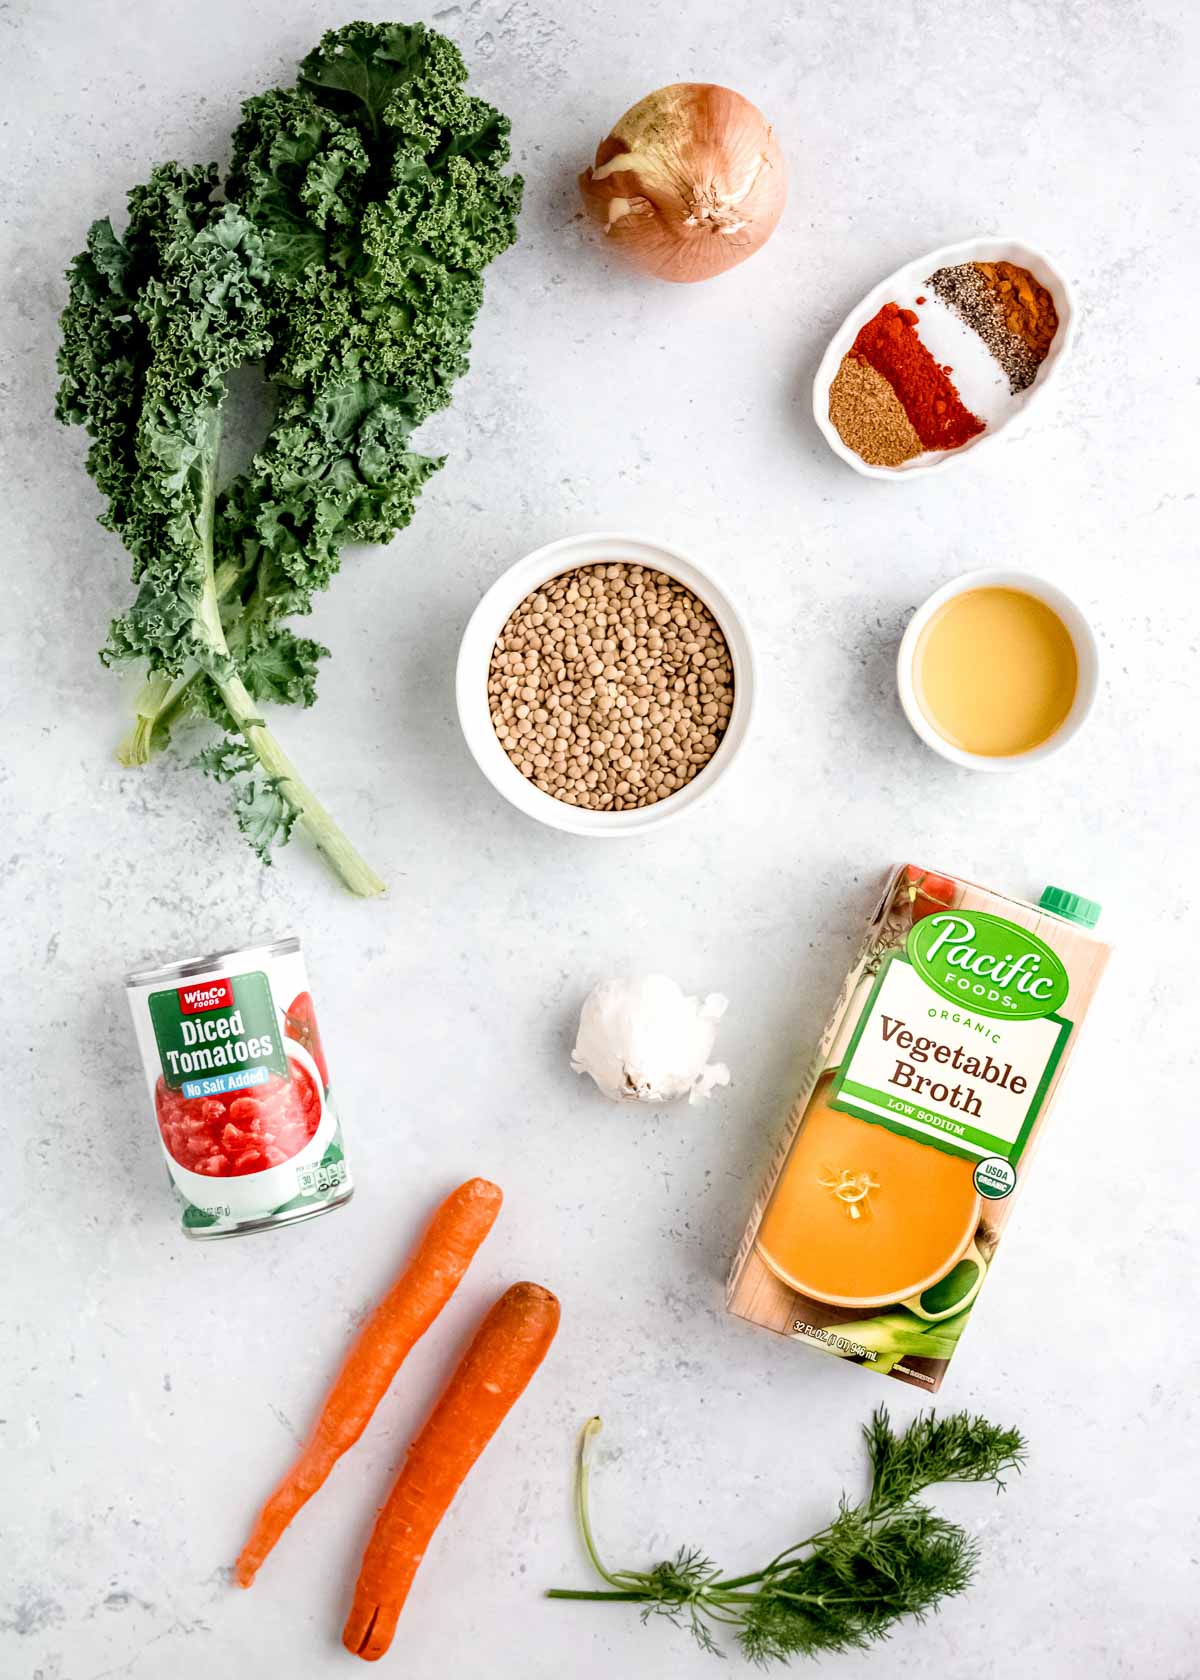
[[492, 614], [977, 374]]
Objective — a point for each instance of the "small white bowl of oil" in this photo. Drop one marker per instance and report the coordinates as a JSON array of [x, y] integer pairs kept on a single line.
[[997, 670]]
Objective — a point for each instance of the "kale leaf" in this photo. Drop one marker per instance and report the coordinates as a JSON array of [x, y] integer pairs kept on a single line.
[[344, 255]]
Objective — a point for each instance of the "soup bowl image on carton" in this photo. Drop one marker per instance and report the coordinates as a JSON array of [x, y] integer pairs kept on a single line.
[[887, 1198], [831, 1232]]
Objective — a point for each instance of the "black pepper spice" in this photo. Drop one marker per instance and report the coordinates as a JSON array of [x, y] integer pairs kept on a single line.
[[966, 290]]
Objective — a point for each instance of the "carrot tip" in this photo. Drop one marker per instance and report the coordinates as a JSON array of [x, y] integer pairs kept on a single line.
[[356, 1636]]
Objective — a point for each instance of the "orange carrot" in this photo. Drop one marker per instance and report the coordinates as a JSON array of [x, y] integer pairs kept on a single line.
[[401, 1319], [508, 1347]]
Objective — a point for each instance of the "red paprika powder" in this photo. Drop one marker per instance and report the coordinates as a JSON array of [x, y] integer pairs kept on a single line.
[[889, 343]]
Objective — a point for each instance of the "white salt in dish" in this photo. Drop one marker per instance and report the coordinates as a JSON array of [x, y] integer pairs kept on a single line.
[[980, 380]]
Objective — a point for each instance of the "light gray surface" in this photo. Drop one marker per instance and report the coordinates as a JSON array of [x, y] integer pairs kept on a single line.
[[154, 1389]]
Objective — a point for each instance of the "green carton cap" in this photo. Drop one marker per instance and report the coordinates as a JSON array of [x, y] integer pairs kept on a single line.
[[1070, 906]]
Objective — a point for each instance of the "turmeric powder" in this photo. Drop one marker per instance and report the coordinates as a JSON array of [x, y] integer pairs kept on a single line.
[[1012, 313], [1029, 310]]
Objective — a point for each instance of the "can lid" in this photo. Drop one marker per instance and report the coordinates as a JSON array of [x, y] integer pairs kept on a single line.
[[187, 968], [1072, 907]]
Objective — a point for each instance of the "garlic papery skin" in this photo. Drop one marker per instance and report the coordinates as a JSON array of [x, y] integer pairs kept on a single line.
[[690, 182], [642, 1039]]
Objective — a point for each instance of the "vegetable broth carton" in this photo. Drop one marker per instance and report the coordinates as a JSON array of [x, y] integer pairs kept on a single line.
[[887, 1197]]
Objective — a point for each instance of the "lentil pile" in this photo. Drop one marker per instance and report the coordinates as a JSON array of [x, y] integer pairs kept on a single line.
[[864, 410], [610, 687], [1012, 312]]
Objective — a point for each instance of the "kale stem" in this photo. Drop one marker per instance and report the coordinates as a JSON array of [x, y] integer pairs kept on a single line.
[[316, 821], [161, 697]]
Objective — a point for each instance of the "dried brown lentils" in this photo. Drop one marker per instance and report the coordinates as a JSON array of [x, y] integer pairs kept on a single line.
[[610, 687]]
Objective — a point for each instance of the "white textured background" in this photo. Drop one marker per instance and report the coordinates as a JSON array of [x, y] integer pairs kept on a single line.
[[153, 1389]]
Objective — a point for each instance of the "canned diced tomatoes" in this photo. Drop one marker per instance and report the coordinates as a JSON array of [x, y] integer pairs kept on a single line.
[[237, 1074]]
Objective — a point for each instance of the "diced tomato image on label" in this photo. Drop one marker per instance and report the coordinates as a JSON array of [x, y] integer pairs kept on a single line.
[[300, 1025], [242, 1131], [926, 893]]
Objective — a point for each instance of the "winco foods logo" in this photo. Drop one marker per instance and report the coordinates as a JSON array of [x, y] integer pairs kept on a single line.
[[988, 965], [214, 994]]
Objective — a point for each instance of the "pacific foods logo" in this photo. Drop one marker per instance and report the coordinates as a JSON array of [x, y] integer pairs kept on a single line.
[[987, 965]]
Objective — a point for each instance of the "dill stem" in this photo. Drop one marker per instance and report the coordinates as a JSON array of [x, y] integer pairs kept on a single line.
[[583, 1471], [770, 1568], [735, 1581], [626, 1596]]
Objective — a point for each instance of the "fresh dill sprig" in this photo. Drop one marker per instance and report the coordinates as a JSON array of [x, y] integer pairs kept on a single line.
[[845, 1586], [933, 1449]]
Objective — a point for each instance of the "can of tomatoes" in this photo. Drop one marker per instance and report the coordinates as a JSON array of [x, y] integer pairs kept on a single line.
[[240, 1089]]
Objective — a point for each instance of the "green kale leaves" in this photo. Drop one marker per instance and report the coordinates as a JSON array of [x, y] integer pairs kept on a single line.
[[344, 255]]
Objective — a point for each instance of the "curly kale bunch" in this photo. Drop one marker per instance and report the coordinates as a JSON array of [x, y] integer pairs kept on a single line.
[[344, 255]]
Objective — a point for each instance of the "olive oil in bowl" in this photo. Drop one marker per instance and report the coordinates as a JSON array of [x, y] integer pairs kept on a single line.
[[996, 670]]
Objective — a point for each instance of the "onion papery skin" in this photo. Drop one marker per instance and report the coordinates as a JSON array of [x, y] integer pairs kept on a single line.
[[690, 182]]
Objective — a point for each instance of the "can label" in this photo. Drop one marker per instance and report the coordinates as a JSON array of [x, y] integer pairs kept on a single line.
[[228, 1025], [240, 1090]]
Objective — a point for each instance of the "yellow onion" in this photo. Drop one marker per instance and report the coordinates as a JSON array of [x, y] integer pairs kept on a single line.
[[690, 182]]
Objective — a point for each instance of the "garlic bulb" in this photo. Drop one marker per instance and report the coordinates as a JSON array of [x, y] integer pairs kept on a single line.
[[642, 1040]]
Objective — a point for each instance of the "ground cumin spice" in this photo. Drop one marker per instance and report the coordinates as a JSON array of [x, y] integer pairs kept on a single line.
[[870, 417]]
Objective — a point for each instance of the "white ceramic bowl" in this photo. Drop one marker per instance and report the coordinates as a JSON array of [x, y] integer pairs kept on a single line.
[[490, 617], [908, 283], [1086, 653]]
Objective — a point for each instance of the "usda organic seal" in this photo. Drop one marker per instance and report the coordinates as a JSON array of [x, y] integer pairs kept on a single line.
[[995, 1178]]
